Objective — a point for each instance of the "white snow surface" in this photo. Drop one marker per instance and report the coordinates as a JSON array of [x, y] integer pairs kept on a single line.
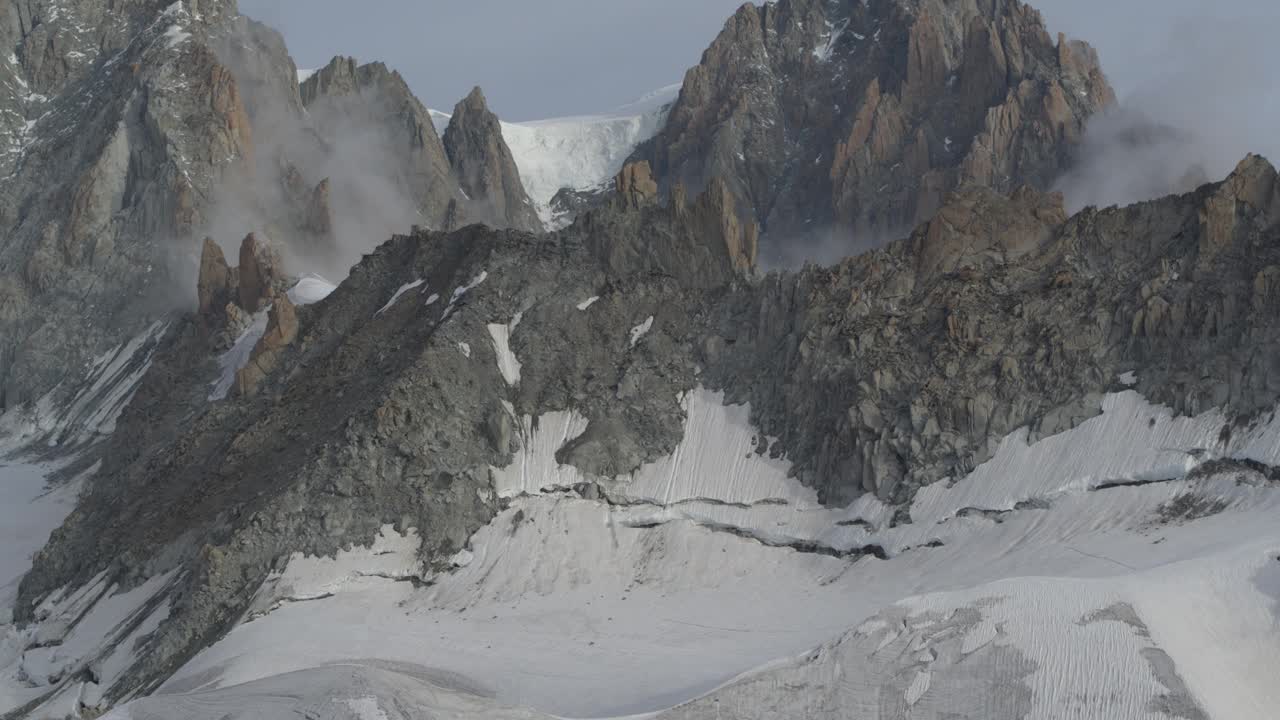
[[96, 625], [396, 296], [641, 330], [1034, 584], [508, 365], [311, 288], [109, 384], [581, 152]]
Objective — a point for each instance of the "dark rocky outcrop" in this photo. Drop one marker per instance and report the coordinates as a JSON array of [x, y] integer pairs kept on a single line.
[[282, 330], [893, 369], [849, 122], [883, 373], [936, 346], [484, 167], [700, 242], [259, 272]]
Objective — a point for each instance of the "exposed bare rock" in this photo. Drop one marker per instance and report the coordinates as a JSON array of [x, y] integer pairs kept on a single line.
[[119, 123], [635, 184], [214, 286], [705, 243], [1002, 312], [282, 330], [259, 271], [485, 169], [1252, 190], [319, 219], [346, 94], [470, 176], [851, 121], [882, 374]]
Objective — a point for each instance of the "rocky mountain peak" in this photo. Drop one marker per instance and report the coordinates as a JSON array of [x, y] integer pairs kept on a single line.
[[260, 269], [344, 75], [977, 228], [124, 122], [853, 120], [215, 283], [1245, 203], [707, 242], [484, 166]]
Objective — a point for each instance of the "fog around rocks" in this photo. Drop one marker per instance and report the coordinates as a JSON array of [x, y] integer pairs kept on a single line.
[[1196, 93]]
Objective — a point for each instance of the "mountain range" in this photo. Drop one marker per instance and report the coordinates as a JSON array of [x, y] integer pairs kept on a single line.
[[794, 390]]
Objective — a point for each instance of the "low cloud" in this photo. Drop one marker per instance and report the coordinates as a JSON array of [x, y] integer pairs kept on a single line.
[[1195, 99]]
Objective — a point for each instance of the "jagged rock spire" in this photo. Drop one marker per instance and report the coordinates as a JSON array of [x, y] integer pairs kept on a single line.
[[484, 167], [856, 119]]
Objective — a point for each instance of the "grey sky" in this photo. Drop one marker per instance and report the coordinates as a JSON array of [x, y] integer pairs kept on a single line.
[[534, 58]]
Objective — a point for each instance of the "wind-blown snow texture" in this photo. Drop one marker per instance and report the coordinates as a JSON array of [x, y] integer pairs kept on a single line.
[[1122, 569]]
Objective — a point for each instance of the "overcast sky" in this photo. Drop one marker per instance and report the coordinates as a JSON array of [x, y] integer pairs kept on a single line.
[[1208, 66], [534, 58]]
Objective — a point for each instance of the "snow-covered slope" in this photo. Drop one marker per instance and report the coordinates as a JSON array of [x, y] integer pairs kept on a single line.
[[578, 152], [1125, 568]]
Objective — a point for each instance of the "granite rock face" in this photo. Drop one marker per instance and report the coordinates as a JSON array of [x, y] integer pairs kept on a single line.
[[122, 122], [138, 128], [934, 347], [485, 169], [345, 95], [889, 371], [469, 178], [846, 123]]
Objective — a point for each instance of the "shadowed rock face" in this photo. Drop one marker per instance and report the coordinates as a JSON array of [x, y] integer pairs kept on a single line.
[[1002, 313], [345, 94], [852, 120], [484, 167], [119, 123], [887, 372], [137, 128], [469, 177]]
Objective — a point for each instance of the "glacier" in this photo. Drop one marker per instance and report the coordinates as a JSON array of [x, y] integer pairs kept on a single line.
[[580, 153], [710, 578]]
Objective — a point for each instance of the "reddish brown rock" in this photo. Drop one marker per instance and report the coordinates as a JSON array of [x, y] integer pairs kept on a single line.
[[859, 132], [319, 216], [224, 98], [213, 286], [1253, 189], [260, 268], [282, 330], [977, 228], [635, 184]]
